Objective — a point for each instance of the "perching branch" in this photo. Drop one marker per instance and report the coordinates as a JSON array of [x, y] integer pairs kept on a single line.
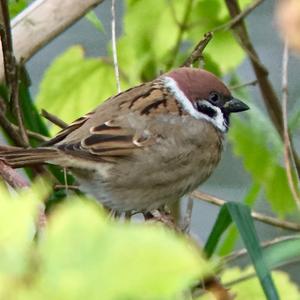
[[186, 224], [255, 215]]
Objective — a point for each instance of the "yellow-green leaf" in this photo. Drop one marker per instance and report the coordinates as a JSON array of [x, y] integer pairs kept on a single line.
[[86, 256], [74, 85]]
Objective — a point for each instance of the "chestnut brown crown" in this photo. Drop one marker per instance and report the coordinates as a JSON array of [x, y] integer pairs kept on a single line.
[[209, 96]]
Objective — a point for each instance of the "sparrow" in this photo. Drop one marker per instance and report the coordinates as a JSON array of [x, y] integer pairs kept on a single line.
[[147, 146]]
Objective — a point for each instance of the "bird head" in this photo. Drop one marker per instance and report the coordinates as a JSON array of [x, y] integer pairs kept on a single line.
[[203, 96]]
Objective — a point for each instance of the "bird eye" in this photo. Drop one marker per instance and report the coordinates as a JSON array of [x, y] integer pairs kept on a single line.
[[214, 97]]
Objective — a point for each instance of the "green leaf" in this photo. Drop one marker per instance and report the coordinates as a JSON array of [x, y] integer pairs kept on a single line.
[[220, 226], [84, 255], [257, 142], [95, 21], [232, 234], [145, 49], [16, 6], [17, 228], [223, 49], [74, 85], [241, 216]]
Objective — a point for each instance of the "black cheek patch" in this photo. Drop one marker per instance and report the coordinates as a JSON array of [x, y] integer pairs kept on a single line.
[[206, 110]]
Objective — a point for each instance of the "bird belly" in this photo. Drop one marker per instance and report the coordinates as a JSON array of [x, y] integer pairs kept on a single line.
[[145, 184]]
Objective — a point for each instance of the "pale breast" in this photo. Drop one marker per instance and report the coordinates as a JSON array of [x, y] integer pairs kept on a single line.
[[183, 157]]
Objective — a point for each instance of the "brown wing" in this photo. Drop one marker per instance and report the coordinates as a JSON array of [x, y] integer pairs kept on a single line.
[[118, 126], [107, 142]]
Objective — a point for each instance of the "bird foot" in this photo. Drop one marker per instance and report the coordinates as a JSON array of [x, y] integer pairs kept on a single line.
[[161, 216]]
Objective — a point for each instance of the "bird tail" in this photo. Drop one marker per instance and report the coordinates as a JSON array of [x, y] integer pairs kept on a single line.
[[18, 158]]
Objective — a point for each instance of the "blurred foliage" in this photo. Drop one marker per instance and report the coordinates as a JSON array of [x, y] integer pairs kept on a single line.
[[84, 254], [256, 140], [74, 85], [16, 6], [95, 21]]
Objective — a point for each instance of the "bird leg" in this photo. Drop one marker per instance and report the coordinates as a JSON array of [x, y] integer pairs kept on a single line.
[[161, 215]]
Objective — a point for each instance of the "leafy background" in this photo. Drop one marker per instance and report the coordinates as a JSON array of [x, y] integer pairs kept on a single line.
[[74, 82]]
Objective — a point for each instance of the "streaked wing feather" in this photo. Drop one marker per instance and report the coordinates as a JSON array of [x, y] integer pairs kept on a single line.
[[70, 128], [99, 135]]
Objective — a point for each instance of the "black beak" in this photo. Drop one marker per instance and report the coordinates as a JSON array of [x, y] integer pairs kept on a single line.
[[235, 105]]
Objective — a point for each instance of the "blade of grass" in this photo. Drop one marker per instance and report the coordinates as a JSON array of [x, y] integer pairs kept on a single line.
[[240, 215], [232, 234]]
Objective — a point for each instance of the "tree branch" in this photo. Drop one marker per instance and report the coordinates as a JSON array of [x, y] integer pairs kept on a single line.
[[11, 131], [41, 22], [242, 85], [53, 119], [238, 18], [257, 216], [11, 69], [237, 254], [269, 96], [288, 154], [12, 177]]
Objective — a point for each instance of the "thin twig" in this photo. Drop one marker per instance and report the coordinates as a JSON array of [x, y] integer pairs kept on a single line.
[[11, 68], [198, 50], [12, 177], [269, 96], [238, 18], [33, 134], [288, 154], [11, 131], [114, 44], [242, 85], [186, 225], [53, 119], [237, 254], [254, 274], [63, 186], [182, 28], [257, 216], [15, 100]]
